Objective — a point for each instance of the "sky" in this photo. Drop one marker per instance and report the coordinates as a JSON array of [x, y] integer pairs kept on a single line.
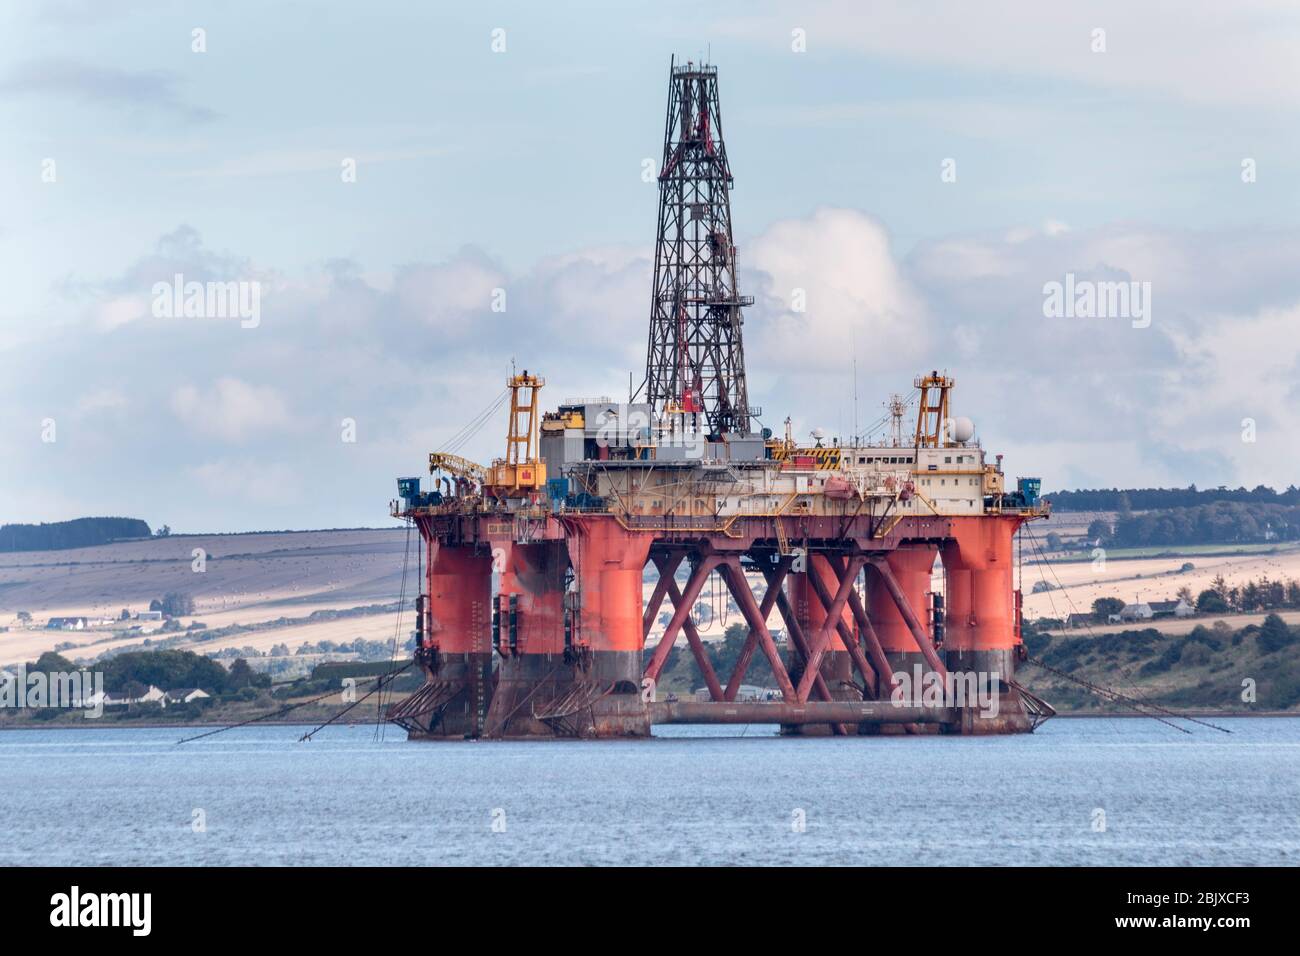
[[916, 174]]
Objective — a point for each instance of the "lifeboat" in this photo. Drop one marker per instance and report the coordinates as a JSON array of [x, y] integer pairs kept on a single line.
[[839, 488]]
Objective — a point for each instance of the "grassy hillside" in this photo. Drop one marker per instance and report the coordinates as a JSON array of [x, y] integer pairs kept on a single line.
[[1210, 668]]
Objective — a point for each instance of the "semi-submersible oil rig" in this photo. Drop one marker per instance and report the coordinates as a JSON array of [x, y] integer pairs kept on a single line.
[[841, 540]]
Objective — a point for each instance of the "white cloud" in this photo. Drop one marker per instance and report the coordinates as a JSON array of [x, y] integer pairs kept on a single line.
[[122, 309], [1242, 367], [1155, 406], [840, 262], [101, 400], [413, 356], [250, 480], [444, 294], [231, 410], [1240, 54]]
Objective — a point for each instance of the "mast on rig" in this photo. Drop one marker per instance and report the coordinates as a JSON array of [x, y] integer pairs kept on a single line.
[[695, 360]]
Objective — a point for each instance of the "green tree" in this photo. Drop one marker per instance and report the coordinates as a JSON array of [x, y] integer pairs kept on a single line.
[[1274, 634], [681, 670], [166, 669], [241, 675], [1103, 607], [50, 662], [1210, 601], [1098, 530], [176, 604]]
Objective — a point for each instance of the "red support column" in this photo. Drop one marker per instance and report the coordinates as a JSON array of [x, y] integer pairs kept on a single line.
[[607, 618], [530, 629], [909, 615], [978, 563], [982, 637], [457, 652]]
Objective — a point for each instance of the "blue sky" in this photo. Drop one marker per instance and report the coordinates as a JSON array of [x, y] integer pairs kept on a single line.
[[522, 170]]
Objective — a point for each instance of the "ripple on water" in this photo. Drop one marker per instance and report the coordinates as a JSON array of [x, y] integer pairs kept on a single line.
[[130, 796]]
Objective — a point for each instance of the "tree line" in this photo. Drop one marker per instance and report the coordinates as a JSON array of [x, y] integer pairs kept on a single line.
[[1221, 522], [134, 671], [1262, 594], [1145, 499], [77, 533]]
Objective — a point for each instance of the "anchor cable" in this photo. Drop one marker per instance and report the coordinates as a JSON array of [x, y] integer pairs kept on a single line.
[[1097, 688]]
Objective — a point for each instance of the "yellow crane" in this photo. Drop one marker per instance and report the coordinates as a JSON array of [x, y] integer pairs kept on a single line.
[[455, 465], [522, 468], [932, 410]]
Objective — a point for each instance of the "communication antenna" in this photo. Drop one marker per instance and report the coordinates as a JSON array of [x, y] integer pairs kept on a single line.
[[857, 438], [896, 407]]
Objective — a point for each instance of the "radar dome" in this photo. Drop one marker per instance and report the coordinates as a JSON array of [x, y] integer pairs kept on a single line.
[[963, 430]]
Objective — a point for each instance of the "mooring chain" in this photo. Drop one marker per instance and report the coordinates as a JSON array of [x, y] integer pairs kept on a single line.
[[1114, 695], [281, 711], [383, 679], [1097, 688]]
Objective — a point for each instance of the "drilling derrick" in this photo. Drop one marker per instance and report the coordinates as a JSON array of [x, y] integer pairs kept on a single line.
[[695, 362]]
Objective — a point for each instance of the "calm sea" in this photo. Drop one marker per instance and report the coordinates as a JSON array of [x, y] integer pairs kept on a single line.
[[1120, 791]]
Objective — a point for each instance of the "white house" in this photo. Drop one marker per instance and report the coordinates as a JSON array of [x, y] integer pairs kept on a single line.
[[1141, 611], [66, 623], [752, 692], [153, 694], [185, 695], [1179, 608]]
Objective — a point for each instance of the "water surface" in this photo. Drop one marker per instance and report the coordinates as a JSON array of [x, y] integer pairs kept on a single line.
[[130, 796]]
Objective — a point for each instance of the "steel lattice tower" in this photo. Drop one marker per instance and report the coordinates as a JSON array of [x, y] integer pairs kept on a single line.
[[695, 361]]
